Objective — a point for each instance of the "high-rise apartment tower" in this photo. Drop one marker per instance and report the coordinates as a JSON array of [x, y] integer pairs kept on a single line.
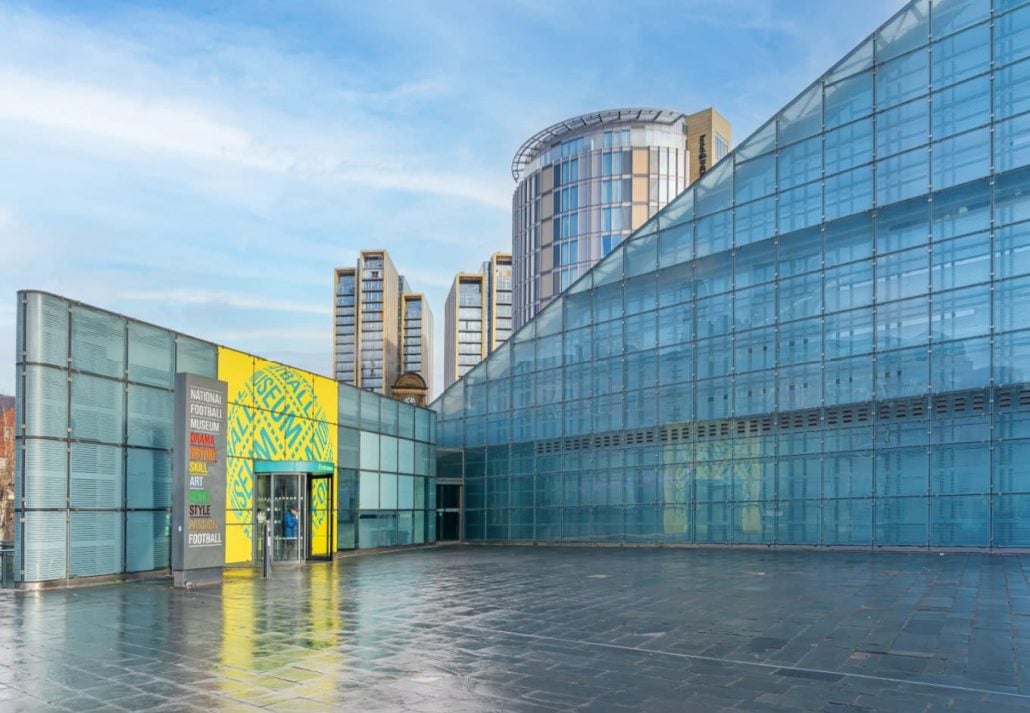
[[584, 184], [374, 309], [478, 315]]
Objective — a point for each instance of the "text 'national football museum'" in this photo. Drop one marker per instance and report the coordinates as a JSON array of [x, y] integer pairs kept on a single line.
[[824, 341]]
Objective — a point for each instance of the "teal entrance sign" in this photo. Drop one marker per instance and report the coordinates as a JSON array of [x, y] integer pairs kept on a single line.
[[293, 466]]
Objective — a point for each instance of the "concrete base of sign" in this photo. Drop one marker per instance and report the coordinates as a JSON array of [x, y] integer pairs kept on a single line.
[[190, 578]]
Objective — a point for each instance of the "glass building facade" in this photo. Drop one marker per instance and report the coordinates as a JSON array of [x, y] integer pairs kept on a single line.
[[824, 341], [94, 439]]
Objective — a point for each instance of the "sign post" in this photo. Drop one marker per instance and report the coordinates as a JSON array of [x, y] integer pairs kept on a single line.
[[198, 492]]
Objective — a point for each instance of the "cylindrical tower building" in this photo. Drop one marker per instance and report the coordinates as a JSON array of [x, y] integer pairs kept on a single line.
[[586, 183]]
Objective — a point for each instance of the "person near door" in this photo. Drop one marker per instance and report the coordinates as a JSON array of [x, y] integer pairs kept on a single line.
[[290, 533]]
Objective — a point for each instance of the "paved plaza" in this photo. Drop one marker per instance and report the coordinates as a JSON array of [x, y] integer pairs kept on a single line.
[[539, 629]]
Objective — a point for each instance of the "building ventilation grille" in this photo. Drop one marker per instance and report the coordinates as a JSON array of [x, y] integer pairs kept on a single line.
[[959, 403]]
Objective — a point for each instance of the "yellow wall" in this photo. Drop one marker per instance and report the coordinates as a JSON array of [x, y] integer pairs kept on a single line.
[[276, 413]]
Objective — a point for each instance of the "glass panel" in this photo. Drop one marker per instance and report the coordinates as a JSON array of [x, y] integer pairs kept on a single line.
[[1012, 90], [95, 543], [901, 521], [97, 409], [45, 402], [799, 253], [961, 158], [368, 491], [951, 15], [902, 274], [803, 117], [755, 221], [800, 207], [97, 476], [861, 58], [195, 357], [46, 475], [961, 210], [1012, 358], [848, 193], [1012, 250], [1012, 143], [961, 107], [760, 142], [98, 342], [150, 421], [369, 444], [848, 239], [148, 480], [801, 163], [46, 330], [903, 127], [151, 355], [370, 404], [849, 333], [960, 365], [903, 78], [147, 541], [961, 262], [387, 454], [848, 100], [714, 191], [961, 56], [848, 146], [755, 179], [1011, 36], [905, 32], [902, 176]]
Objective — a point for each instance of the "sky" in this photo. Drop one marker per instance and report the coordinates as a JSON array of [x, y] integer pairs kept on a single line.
[[205, 166]]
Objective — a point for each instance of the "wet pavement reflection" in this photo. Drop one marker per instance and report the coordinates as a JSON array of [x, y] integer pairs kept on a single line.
[[538, 629]]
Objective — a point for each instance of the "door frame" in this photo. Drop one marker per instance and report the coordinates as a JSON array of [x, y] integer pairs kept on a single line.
[[310, 479]]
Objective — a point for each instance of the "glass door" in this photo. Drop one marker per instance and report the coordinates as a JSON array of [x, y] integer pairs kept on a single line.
[[287, 518], [262, 513], [320, 517]]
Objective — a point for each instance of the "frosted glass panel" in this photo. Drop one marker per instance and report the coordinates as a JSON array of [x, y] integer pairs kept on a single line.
[[95, 543], [96, 476], [151, 355], [148, 542], [148, 478], [98, 407], [98, 342], [46, 330], [46, 474], [44, 545], [150, 417], [195, 357], [46, 402]]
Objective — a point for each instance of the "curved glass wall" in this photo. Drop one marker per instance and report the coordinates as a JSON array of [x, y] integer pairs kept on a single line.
[[823, 342]]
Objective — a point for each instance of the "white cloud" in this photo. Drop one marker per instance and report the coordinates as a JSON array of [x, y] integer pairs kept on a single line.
[[225, 299], [197, 131], [145, 122]]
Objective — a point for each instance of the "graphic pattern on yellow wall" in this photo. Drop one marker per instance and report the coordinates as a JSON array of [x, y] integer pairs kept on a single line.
[[276, 413]]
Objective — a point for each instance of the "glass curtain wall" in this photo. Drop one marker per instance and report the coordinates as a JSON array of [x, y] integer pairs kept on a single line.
[[93, 470], [824, 341], [387, 472]]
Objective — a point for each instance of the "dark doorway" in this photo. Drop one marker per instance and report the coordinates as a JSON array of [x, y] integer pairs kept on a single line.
[[448, 512]]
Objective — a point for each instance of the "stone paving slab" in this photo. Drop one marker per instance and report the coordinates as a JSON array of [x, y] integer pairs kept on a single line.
[[539, 629]]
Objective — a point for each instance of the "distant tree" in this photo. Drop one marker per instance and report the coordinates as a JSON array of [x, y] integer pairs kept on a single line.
[[6, 469]]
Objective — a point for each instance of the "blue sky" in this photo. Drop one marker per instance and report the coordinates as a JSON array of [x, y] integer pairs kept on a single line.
[[204, 166]]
